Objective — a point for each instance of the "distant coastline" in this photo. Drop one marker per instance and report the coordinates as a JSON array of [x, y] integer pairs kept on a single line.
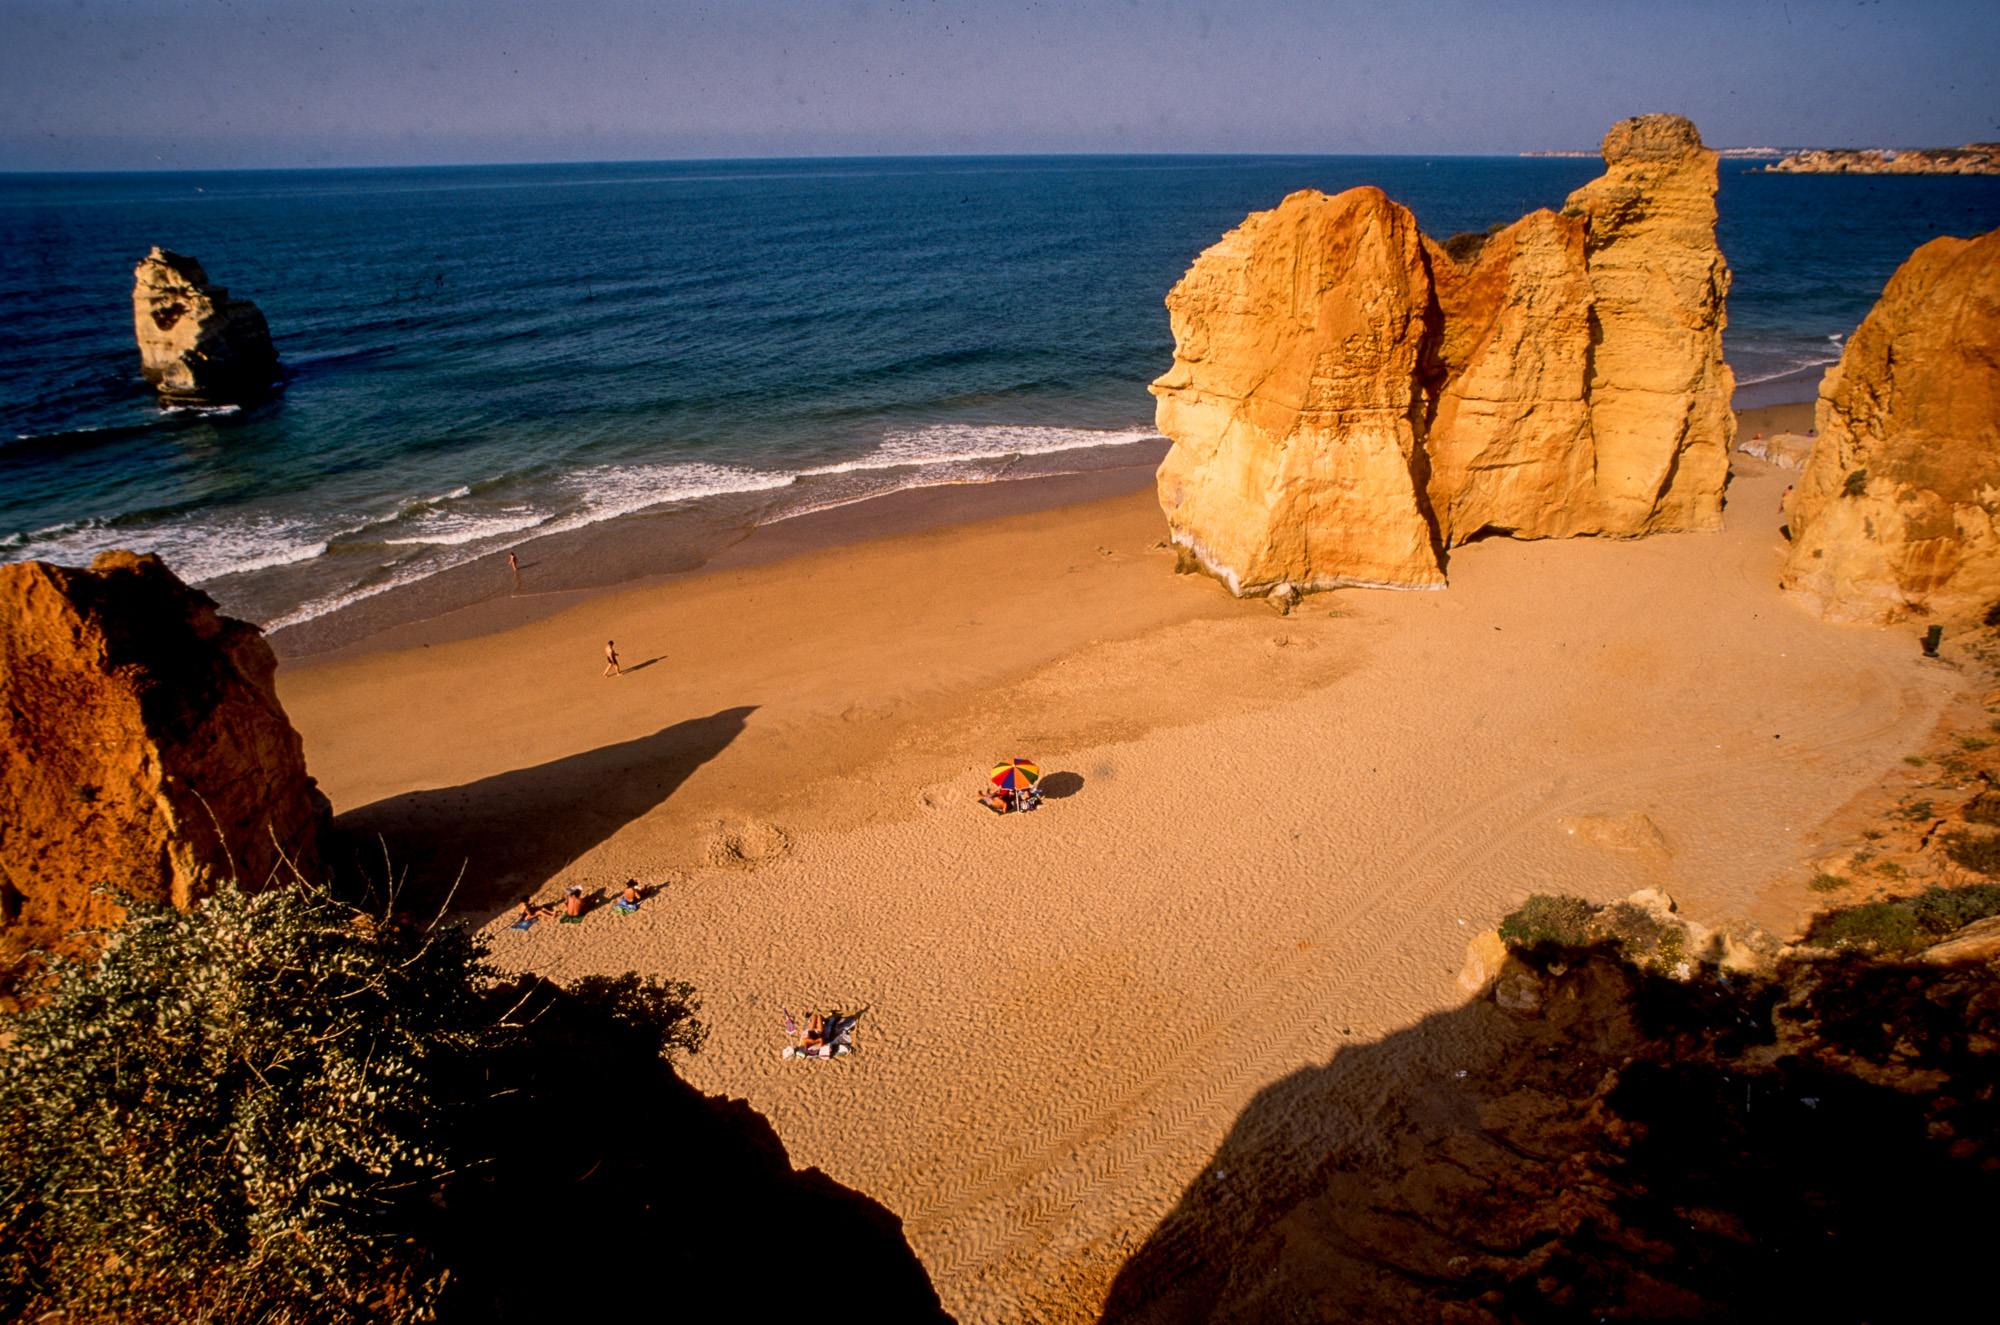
[[1971, 159], [1723, 151]]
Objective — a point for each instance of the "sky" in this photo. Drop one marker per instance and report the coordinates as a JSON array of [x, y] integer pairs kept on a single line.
[[222, 84]]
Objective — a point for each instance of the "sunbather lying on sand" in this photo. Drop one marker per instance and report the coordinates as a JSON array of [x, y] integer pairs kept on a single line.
[[813, 1043], [998, 801], [531, 910]]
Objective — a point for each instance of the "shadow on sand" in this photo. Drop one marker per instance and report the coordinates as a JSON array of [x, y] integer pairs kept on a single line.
[[1061, 786], [1640, 1150], [514, 831], [623, 1194]]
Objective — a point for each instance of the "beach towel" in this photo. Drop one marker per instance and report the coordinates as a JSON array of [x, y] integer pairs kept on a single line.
[[624, 908], [524, 923], [569, 920], [840, 1032]]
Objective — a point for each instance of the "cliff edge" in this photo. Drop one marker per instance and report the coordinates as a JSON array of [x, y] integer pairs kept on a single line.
[[1894, 515], [142, 747], [1350, 399]]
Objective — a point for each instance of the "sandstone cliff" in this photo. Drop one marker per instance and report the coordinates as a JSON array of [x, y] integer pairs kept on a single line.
[[1349, 400], [1893, 517], [142, 747], [1659, 408], [1509, 439], [195, 342], [1292, 463]]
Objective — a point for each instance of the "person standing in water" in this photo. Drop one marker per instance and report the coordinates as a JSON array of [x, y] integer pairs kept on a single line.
[[611, 658]]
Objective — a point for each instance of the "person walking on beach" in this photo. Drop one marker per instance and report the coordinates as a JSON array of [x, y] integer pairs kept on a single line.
[[611, 658], [514, 564]]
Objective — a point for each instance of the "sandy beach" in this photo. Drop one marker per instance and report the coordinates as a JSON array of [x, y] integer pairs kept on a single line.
[[1267, 837]]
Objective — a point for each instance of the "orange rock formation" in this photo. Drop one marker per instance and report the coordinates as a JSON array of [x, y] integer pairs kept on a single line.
[[1348, 401], [1286, 455], [142, 748], [1893, 517]]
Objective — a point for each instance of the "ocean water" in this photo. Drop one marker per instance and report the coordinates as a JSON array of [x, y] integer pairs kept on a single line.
[[478, 357]]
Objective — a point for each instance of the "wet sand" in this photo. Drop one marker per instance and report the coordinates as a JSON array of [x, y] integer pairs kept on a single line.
[[1267, 837]]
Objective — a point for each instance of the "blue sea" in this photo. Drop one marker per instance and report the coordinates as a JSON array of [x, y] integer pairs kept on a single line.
[[479, 357]]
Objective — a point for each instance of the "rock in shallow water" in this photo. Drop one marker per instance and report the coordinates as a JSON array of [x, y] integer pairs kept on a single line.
[[196, 344]]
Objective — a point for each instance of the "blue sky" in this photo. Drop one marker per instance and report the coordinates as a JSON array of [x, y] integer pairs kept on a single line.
[[184, 84]]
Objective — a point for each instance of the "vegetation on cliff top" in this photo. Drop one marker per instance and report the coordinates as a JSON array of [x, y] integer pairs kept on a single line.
[[249, 1109]]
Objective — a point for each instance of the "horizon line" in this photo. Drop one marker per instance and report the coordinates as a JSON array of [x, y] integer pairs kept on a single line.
[[1537, 153]]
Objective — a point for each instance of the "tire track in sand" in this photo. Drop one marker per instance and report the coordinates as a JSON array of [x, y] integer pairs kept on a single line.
[[1161, 1105]]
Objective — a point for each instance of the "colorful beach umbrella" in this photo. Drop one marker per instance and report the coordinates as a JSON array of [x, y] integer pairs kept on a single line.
[[1016, 774]]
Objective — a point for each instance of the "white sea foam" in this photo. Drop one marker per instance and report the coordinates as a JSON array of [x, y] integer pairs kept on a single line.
[[959, 441], [598, 493], [1791, 371], [202, 549], [457, 528], [219, 411], [319, 607], [607, 491], [196, 550]]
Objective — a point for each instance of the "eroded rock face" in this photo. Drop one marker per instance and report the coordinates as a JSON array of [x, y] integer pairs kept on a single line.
[[195, 342], [1510, 438], [1893, 517], [1348, 401], [1295, 400], [1659, 395], [142, 747]]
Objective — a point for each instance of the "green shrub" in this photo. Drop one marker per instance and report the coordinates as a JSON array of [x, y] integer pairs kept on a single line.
[[1855, 484], [1979, 854], [1888, 925], [1642, 938], [236, 1104], [1826, 883], [1917, 810], [241, 1112], [1543, 918], [1915, 761], [1973, 743], [1939, 911], [1984, 809]]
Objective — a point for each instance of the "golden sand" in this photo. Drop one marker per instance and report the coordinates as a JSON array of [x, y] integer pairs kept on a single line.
[[1267, 837]]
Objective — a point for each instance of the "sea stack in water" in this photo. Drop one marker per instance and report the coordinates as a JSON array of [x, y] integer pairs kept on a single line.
[[1349, 400], [196, 344], [143, 750], [1894, 515]]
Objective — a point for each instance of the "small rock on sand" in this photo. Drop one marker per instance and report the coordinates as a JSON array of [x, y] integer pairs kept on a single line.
[[1631, 831], [1787, 450]]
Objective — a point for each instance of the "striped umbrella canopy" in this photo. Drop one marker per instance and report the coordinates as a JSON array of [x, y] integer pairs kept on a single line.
[[1016, 774]]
